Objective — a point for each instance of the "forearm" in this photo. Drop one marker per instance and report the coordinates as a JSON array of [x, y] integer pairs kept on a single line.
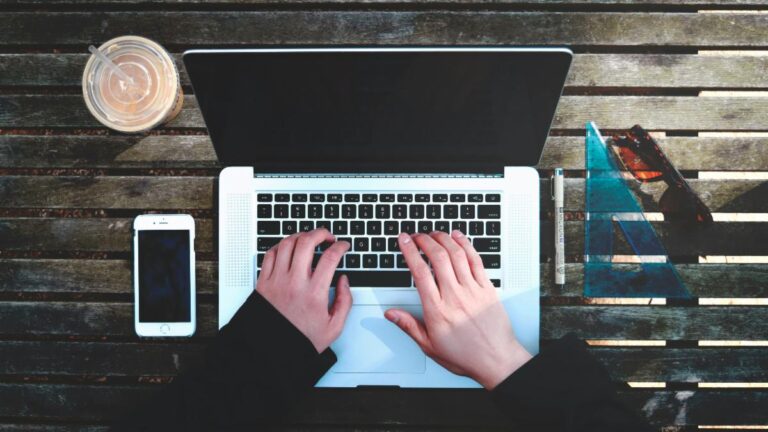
[[257, 364], [565, 388]]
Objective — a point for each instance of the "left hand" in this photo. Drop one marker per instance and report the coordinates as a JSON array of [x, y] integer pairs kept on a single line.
[[301, 295]]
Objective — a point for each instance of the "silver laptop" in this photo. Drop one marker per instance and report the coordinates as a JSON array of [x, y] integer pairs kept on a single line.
[[371, 142]]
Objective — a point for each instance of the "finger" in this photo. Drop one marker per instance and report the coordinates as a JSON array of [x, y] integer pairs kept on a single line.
[[475, 262], [328, 263], [305, 248], [341, 304], [285, 253], [457, 256], [422, 276], [412, 327], [268, 263], [441, 262]]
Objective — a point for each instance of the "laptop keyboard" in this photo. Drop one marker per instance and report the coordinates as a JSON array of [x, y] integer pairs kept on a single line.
[[371, 222]]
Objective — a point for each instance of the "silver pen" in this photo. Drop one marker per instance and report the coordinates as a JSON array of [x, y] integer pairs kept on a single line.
[[557, 197]]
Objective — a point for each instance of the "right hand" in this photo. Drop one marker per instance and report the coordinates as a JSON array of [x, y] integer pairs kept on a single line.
[[465, 328]]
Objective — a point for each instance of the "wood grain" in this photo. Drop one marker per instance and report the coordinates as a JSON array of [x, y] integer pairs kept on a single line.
[[309, 3], [610, 112], [685, 71], [383, 27]]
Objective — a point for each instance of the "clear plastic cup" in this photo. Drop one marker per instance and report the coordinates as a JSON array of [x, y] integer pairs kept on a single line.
[[146, 93]]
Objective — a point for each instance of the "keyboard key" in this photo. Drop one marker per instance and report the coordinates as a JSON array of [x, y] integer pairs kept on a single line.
[[439, 197], [357, 227], [339, 227], [433, 212], [496, 283], [263, 244], [324, 245], [408, 227], [458, 198], [391, 228], [488, 211], [387, 198], [317, 197], [323, 224], [475, 198], [393, 245], [349, 211], [315, 211], [422, 197], [401, 261], [346, 239], [491, 261], [264, 211], [268, 227], [260, 259], [281, 211], [387, 261], [476, 228], [373, 228], [493, 198], [299, 197], [306, 225], [424, 227], [289, 227], [316, 259], [264, 197], [460, 226], [382, 211], [484, 244], [399, 211], [370, 198], [298, 211], [451, 211], [404, 197], [442, 226], [370, 261], [282, 197], [334, 197], [416, 211], [467, 212], [367, 278], [378, 244], [352, 261], [331, 211], [366, 211], [352, 197], [360, 244], [493, 228]]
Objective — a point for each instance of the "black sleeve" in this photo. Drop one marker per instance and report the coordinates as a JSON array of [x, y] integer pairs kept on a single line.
[[255, 367], [564, 388]]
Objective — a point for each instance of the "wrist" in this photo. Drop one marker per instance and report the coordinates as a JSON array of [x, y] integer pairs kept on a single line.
[[512, 360]]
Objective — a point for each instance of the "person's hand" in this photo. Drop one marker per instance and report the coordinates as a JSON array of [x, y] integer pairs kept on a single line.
[[465, 329], [301, 295]]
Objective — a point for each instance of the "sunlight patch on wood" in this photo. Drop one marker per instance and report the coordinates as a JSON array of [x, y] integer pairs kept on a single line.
[[732, 175], [750, 427], [733, 301], [733, 343], [637, 384], [626, 301], [607, 342], [728, 259], [733, 385]]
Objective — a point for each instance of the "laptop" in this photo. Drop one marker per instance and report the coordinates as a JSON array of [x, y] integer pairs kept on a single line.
[[371, 142]]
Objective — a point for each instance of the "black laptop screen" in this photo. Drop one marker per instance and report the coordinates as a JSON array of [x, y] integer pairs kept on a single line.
[[380, 111]]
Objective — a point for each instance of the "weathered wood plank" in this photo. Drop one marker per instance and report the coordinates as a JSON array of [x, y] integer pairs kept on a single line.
[[383, 27], [610, 112], [82, 276], [734, 3], [106, 192], [383, 406], [587, 70], [26, 358], [184, 151], [589, 322], [92, 234]]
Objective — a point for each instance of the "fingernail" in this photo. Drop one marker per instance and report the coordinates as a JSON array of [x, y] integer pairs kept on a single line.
[[457, 234], [405, 238]]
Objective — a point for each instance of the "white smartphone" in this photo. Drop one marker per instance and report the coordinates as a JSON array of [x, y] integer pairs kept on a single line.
[[164, 275]]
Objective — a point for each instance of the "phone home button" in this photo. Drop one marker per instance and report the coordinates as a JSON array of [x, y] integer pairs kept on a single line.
[[165, 329]]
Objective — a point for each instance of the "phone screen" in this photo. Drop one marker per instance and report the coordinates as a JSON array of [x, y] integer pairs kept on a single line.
[[164, 284]]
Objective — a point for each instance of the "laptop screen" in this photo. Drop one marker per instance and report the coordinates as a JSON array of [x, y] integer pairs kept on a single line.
[[421, 110]]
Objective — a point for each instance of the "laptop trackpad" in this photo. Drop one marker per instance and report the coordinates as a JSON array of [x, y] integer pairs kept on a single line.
[[372, 344]]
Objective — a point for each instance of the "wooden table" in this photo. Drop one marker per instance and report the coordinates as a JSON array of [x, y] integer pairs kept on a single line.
[[69, 358]]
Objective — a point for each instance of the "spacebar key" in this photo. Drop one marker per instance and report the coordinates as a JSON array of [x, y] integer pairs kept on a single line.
[[394, 279]]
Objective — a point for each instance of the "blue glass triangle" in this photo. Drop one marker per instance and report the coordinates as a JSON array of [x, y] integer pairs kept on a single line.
[[611, 206]]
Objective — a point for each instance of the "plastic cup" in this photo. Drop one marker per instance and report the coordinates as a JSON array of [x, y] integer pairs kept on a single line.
[[144, 94]]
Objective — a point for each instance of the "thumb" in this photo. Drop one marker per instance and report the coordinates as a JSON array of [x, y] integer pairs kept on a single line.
[[342, 303], [411, 326]]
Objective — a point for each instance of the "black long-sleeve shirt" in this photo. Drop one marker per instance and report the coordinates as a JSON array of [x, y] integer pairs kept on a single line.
[[260, 362]]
